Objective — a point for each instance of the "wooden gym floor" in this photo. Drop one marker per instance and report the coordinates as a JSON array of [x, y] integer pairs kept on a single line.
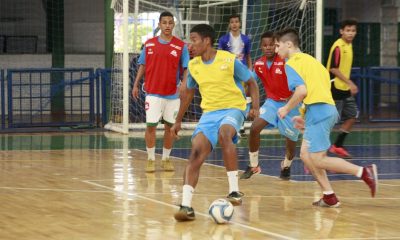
[[88, 186]]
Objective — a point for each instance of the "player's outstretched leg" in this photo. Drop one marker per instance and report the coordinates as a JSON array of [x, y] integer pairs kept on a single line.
[[254, 144]]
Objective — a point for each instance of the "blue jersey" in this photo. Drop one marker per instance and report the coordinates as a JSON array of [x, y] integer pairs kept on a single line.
[[240, 48]]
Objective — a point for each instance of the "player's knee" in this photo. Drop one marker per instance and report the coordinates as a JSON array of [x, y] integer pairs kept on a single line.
[[224, 138]]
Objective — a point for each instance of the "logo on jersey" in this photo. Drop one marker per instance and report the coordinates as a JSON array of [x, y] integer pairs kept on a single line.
[[150, 51], [150, 45], [260, 70], [146, 106], [224, 67], [173, 53], [259, 63], [278, 71], [176, 47], [263, 110], [278, 63]]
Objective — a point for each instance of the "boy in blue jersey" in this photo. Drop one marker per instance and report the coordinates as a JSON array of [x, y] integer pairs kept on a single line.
[[236, 42], [310, 82], [240, 45], [219, 77]]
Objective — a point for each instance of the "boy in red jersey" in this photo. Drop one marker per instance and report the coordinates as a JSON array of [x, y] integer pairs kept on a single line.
[[271, 71], [160, 61]]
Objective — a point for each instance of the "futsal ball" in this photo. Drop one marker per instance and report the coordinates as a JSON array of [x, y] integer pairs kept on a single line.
[[221, 210]]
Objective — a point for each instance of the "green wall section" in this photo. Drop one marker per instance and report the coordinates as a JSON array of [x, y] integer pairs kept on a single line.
[[109, 33], [55, 45]]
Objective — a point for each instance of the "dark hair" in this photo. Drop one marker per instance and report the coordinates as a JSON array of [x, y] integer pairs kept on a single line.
[[268, 34], [166, 14], [348, 22], [289, 34], [204, 30], [235, 15]]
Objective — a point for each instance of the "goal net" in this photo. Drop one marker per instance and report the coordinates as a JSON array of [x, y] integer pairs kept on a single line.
[[258, 16]]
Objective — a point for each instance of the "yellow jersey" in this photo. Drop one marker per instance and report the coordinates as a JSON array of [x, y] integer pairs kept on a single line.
[[345, 61], [216, 82], [315, 77]]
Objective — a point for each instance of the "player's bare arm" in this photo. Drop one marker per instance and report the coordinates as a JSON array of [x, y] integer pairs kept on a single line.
[[339, 74], [139, 76], [186, 99], [249, 62], [299, 94], [182, 86], [255, 98]]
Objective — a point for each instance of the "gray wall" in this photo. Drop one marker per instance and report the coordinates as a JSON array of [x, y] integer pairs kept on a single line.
[[83, 37]]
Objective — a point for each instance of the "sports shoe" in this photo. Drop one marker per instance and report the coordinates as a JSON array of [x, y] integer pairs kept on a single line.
[[235, 198], [250, 171], [329, 201], [184, 214], [285, 173], [339, 151], [370, 177], [150, 167], [167, 165]]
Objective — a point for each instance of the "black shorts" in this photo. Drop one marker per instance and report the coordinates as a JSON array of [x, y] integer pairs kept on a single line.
[[347, 108]]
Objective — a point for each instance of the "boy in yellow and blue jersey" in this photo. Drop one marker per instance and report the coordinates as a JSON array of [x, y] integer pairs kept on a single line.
[[218, 75], [310, 82]]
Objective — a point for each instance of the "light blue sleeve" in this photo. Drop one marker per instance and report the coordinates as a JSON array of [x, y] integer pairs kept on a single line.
[[142, 57], [255, 76], [190, 82], [241, 72], [294, 79], [185, 57]]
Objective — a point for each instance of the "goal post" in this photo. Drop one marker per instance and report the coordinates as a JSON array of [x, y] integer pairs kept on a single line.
[[141, 19]]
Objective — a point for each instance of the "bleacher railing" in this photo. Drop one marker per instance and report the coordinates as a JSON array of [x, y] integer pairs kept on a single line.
[[50, 97], [78, 96]]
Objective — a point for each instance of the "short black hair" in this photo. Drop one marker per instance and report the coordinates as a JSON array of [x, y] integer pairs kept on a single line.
[[235, 15], [289, 34], [348, 22], [267, 34], [166, 14], [204, 30]]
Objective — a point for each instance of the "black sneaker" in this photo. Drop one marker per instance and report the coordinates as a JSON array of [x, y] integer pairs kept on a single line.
[[235, 198], [250, 171], [184, 214], [285, 173]]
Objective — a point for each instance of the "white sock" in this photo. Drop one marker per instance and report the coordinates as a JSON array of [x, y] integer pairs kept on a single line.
[[151, 153], [327, 192], [287, 162], [253, 159], [233, 181], [187, 194], [360, 172], [165, 153]]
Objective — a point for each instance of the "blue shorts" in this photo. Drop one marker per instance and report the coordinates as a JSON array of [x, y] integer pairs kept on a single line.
[[211, 122], [269, 112], [320, 119]]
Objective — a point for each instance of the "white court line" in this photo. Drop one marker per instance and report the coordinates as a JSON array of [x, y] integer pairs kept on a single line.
[[198, 213], [53, 190]]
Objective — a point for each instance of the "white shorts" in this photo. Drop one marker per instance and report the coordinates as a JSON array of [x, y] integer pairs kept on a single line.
[[157, 107]]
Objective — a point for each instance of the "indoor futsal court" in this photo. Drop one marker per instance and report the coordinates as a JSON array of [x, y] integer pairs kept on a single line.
[[93, 186]]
